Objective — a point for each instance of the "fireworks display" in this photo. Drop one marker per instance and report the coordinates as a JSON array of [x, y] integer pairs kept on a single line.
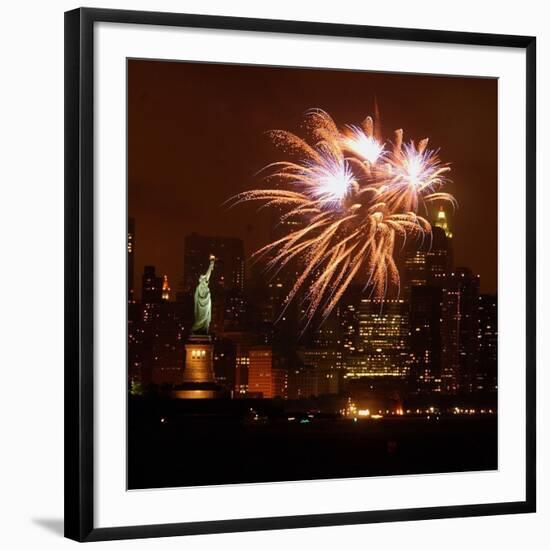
[[351, 198]]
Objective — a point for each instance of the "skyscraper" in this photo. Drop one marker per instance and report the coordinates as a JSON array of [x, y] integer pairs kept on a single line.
[[324, 334], [441, 221], [165, 336], [487, 337], [382, 340], [260, 378], [228, 273], [302, 382], [427, 269], [327, 363], [165, 289], [439, 256], [135, 347], [224, 362], [242, 362], [425, 338], [131, 243], [459, 329], [151, 287], [235, 311], [416, 273], [425, 264], [279, 381], [348, 309], [156, 333]]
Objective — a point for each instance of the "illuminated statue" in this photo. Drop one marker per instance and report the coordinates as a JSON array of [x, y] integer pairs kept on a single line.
[[203, 302]]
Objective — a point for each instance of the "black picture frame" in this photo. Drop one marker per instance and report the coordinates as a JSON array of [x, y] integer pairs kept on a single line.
[[79, 269]]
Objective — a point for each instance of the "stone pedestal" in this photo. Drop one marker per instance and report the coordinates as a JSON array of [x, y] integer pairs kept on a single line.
[[198, 377], [199, 360]]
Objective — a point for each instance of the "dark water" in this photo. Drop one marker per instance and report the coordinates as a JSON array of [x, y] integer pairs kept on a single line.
[[171, 444]]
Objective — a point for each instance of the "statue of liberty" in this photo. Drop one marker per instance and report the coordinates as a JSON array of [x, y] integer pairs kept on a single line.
[[203, 302]]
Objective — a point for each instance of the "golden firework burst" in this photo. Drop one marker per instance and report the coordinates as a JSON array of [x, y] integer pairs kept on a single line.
[[351, 197]]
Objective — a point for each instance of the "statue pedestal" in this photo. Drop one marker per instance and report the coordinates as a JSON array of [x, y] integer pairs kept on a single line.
[[198, 377], [199, 360]]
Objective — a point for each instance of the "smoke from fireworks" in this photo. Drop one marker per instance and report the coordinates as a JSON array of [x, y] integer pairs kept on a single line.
[[350, 198]]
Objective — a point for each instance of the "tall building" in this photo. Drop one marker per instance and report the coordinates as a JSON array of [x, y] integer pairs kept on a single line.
[[382, 341], [302, 382], [151, 286], [426, 269], [258, 312], [165, 289], [279, 381], [242, 362], [425, 338], [270, 310], [285, 315], [156, 336], [224, 362], [156, 333], [416, 273], [327, 362], [136, 378], [459, 330], [322, 334], [274, 321], [228, 272], [487, 337], [260, 379], [235, 311], [450, 338], [439, 257], [131, 244], [441, 221], [348, 311], [242, 342], [165, 333], [425, 264]]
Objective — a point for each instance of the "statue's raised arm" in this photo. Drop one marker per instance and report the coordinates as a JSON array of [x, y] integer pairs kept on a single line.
[[210, 268]]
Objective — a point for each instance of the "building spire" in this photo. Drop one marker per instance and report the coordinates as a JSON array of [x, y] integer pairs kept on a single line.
[[165, 289], [441, 221]]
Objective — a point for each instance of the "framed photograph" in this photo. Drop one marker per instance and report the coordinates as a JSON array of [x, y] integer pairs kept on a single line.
[[300, 274]]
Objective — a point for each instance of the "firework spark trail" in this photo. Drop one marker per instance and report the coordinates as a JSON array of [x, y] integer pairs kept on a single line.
[[353, 196]]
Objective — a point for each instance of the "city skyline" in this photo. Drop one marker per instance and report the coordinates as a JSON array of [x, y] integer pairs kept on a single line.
[[425, 337]]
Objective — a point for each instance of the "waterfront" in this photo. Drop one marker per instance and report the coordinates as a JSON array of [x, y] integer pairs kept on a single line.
[[175, 446]]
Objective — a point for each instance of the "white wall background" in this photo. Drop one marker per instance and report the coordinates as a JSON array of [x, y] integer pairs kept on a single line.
[[31, 272]]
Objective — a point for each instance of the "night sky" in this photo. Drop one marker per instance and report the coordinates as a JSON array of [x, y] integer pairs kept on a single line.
[[196, 136]]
